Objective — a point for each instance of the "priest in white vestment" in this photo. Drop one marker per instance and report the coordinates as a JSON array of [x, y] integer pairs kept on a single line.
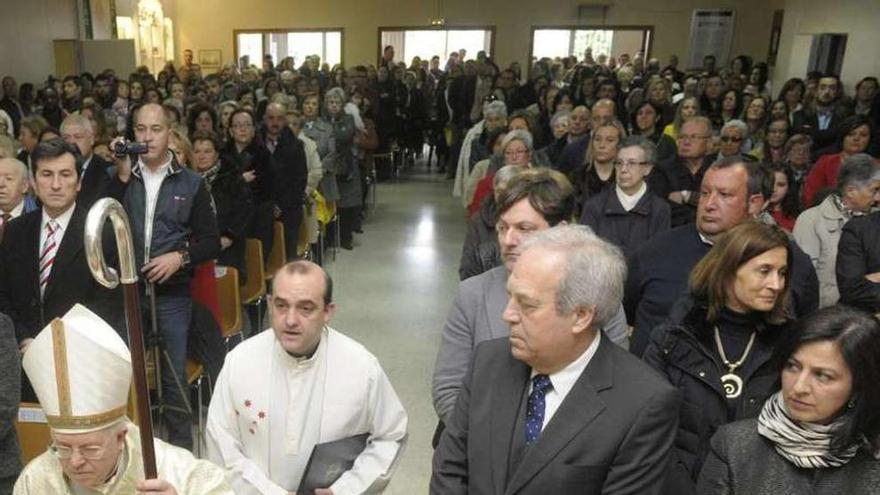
[[303, 383], [81, 372]]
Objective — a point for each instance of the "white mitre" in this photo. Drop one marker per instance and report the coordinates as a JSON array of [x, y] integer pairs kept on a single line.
[[81, 371]]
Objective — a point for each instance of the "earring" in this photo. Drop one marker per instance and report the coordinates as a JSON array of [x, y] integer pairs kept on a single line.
[[851, 404]]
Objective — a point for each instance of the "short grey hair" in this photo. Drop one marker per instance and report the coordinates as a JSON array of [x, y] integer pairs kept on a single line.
[[495, 109], [594, 273], [561, 114], [336, 92], [77, 120], [739, 125], [648, 148], [518, 135], [20, 167], [858, 171], [504, 174]]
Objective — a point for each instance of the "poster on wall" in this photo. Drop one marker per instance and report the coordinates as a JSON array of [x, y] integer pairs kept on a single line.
[[711, 34]]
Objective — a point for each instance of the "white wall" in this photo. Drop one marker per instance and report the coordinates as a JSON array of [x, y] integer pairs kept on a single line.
[[859, 19], [27, 28]]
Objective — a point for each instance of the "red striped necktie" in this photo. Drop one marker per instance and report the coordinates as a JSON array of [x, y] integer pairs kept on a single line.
[[47, 254]]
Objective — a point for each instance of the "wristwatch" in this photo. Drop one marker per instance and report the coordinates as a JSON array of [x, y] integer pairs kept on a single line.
[[184, 257]]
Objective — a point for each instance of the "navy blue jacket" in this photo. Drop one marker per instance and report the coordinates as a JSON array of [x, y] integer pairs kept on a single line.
[[184, 220]]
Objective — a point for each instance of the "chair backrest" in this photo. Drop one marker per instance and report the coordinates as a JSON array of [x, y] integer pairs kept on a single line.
[[278, 254], [32, 430], [255, 285], [229, 297]]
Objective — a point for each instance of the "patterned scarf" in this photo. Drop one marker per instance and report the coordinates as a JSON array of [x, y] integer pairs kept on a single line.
[[806, 445], [210, 175]]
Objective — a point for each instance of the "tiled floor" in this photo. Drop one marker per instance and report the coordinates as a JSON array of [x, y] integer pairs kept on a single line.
[[393, 292]]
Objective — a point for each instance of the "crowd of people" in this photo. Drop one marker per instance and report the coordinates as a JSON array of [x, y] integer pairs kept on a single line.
[[668, 277]]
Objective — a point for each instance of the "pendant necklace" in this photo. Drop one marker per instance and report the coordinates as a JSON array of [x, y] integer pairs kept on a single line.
[[731, 382]]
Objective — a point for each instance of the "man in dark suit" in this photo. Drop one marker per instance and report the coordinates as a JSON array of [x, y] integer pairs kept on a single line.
[[94, 178], [558, 408], [820, 119], [291, 173], [43, 266]]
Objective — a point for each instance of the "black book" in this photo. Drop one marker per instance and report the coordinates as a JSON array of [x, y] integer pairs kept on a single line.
[[329, 460]]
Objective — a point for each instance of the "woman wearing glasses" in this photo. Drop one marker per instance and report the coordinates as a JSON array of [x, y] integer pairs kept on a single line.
[[628, 214], [717, 347], [819, 433]]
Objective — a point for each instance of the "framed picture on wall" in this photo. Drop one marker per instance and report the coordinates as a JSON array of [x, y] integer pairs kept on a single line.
[[211, 59]]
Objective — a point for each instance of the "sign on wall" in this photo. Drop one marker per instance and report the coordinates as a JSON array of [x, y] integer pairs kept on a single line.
[[711, 34]]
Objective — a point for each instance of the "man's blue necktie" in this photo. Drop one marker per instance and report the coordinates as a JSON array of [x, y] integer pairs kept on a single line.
[[535, 407]]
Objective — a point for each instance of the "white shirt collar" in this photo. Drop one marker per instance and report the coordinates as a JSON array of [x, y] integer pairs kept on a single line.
[[17, 211], [62, 220], [564, 379], [629, 202], [162, 170], [85, 166]]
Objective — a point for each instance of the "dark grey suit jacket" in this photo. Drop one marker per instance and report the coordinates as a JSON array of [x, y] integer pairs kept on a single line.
[[612, 434], [474, 318]]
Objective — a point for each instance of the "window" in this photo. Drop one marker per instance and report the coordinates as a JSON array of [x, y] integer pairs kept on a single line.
[[282, 43], [428, 42], [566, 41]]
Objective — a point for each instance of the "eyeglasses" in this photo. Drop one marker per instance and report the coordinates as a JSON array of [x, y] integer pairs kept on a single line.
[[691, 137], [91, 452], [629, 164], [728, 139]]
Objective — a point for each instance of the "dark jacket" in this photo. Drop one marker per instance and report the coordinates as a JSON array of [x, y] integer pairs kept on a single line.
[[291, 171], [254, 157], [10, 396], [858, 254], [683, 350], [343, 161], [626, 229], [70, 280], [480, 252], [674, 176], [573, 155], [95, 182], [234, 207], [184, 220], [611, 434], [658, 276], [806, 121], [741, 461]]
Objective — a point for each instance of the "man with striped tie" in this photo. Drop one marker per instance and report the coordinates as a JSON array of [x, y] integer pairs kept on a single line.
[[43, 267]]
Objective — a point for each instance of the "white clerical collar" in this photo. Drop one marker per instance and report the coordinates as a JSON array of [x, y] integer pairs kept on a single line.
[[62, 220], [304, 361], [564, 379]]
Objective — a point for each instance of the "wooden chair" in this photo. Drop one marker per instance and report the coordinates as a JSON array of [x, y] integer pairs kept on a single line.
[[32, 430], [278, 253], [229, 297], [197, 378], [253, 292]]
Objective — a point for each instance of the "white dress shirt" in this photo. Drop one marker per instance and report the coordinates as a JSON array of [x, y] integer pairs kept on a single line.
[[152, 183], [17, 211], [564, 379], [62, 220]]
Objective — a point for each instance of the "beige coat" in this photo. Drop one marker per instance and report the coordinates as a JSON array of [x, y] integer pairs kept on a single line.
[[817, 232]]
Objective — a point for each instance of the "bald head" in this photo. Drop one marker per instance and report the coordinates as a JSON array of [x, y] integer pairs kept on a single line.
[[276, 119], [603, 112], [152, 127], [13, 183]]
